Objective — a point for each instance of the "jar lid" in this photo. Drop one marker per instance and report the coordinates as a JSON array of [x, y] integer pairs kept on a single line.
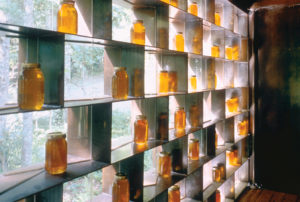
[[221, 165], [30, 65], [138, 21], [179, 108], [164, 153], [194, 2], [164, 71], [194, 140], [68, 1], [120, 176], [179, 32], [193, 76], [55, 135], [119, 68], [215, 168], [141, 116], [174, 188]]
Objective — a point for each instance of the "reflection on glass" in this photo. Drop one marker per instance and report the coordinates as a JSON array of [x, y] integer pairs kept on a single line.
[[31, 87], [179, 42], [138, 83], [172, 81], [163, 126], [56, 153], [196, 45], [174, 194], [141, 130], [67, 17], [163, 35], [194, 149], [194, 116], [138, 33], [120, 83], [120, 189], [163, 82], [164, 164]]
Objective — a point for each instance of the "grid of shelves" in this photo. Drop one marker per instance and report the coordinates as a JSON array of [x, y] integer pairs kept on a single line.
[[98, 143]]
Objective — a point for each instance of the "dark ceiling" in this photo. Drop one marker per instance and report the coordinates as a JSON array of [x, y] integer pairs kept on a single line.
[[243, 4]]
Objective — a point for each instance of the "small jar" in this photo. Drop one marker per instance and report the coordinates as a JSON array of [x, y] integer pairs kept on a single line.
[[31, 87], [163, 126], [164, 164], [216, 174], [56, 153], [163, 82], [179, 42], [120, 83], [138, 32], [217, 19], [193, 8], [174, 194], [141, 129], [179, 119], [194, 149], [222, 169], [67, 17], [232, 105], [215, 51], [193, 81], [228, 53], [243, 127], [172, 81], [174, 3], [138, 83], [194, 116], [120, 189], [218, 196]]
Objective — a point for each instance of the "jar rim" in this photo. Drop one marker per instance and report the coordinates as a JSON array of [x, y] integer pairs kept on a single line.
[[164, 153], [68, 1], [215, 168], [54, 135], [119, 68], [120, 176], [194, 140], [174, 188], [179, 107], [138, 21], [141, 116], [31, 65]]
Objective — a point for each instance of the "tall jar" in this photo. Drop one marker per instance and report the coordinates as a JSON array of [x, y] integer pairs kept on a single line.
[[193, 81], [163, 122], [179, 118], [193, 8], [222, 169], [217, 19], [194, 116], [138, 83], [56, 153], [141, 129], [138, 32], [120, 189], [194, 149], [67, 17], [232, 156], [218, 196], [173, 81], [163, 81], [174, 194], [120, 83], [164, 164], [31, 87], [179, 42]]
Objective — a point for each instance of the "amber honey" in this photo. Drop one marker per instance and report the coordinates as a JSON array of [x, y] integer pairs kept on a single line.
[[179, 118], [243, 127], [138, 33], [221, 167], [31, 87], [120, 83], [179, 42], [172, 81], [193, 82], [194, 116], [218, 196], [197, 44], [120, 189], [216, 175], [235, 52], [141, 130], [228, 53], [216, 140], [174, 194], [232, 105], [217, 19], [163, 82], [138, 83], [232, 156], [215, 51], [194, 149], [174, 3], [193, 9], [56, 153], [164, 164], [163, 126], [67, 17]]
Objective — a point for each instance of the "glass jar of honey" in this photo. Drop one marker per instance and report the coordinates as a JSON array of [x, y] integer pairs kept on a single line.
[[163, 82], [138, 83], [172, 81], [228, 53], [193, 82], [232, 105], [164, 164], [221, 167], [216, 175], [163, 122], [215, 51], [120, 83], [193, 8], [232, 156], [138, 32], [56, 153], [174, 194], [31, 87], [194, 149], [120, 189], [179, 42], [141, 129], [217, 19], [243, 127], [174, 3], [67, 17], [218, 196], [194, 116], [179, 118]]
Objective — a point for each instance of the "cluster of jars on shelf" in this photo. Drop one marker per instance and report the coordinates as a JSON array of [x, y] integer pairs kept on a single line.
[[218, 173]]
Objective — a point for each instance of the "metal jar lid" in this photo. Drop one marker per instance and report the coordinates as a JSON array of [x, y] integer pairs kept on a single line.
[[55, 135], [120, 176], [30, 65], [174, 188]]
